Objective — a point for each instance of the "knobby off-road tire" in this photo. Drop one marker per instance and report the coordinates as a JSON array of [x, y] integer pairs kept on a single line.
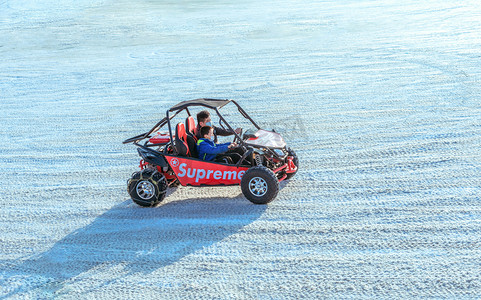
[[295, 160], [259, 185], [147, 187]]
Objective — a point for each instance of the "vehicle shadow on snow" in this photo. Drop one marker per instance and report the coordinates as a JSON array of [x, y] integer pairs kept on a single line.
[[135, 240]]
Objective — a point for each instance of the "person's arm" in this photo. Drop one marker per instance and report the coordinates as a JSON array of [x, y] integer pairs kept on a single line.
[[230, 145], [223, 132], [209, 149]]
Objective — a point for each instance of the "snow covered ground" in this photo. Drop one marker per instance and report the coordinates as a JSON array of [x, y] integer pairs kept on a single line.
[[380, 99]]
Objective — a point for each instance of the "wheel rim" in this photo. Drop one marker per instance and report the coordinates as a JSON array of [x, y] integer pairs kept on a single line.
[[145, 190], [258, 186]]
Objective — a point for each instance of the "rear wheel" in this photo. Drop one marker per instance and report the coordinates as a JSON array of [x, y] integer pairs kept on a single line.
[[295, 160], [147, 187], [260, 185]]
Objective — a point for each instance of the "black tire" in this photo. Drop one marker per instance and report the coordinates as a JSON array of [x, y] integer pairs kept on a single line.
[[259, 185], [295, 161], [147, 187]]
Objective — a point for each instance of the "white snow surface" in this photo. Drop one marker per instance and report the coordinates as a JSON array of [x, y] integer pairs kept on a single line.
[[381, 100]]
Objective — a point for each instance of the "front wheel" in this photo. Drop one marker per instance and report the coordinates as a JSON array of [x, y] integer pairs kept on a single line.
[[147, 187], [259, 185]]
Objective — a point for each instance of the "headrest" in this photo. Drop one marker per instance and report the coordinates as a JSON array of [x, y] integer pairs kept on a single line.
[[180, 132], [190, 125]]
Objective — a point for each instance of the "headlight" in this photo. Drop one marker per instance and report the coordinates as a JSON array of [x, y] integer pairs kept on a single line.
[[279, 152]]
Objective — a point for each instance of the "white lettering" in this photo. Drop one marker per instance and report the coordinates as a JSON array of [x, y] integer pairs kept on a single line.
[[193, 172], [217, 174], [208, 174], [199, 176], [229, 174], [182, 170]]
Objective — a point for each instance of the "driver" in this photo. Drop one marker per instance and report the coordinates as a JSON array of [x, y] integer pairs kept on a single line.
[[207, 148], [203, 119]]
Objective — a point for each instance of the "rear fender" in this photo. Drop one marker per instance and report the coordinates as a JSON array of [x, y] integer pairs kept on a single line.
[[153, 157]]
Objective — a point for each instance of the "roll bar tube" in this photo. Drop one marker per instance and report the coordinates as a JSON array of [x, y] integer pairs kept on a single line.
[[244, 114]]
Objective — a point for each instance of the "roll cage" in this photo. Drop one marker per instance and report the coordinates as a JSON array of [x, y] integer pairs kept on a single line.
[[214, 104], [246, 142]]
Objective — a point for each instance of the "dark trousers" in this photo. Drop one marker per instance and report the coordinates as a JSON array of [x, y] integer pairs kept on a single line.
[[234, 155]]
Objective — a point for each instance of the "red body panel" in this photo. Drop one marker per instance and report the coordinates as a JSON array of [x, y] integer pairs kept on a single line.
[[291, 166], [195, 172], [160, 138]]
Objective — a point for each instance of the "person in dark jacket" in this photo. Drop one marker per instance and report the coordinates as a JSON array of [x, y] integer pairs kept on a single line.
[[207, 148], [203, 119]]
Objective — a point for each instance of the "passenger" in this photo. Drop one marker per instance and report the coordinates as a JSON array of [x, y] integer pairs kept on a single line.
[[203, 119], [207, 148]]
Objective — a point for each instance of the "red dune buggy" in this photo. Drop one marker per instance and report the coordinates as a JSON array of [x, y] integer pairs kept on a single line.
[[170, 158]]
